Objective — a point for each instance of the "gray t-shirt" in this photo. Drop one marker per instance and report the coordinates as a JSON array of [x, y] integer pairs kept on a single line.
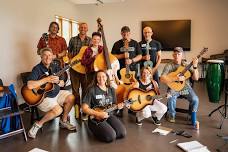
[[98, 97], [171, 67]]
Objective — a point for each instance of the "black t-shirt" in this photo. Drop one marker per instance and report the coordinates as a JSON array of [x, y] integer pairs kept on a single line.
[[98, 97], [151, 85], [40, 70], [155, 46], [116, 49], [142, 86]]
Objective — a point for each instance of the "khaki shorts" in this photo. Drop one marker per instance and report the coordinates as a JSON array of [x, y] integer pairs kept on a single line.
[[50, 103]]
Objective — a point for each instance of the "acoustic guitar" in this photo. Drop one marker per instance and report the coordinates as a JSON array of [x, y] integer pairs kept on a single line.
[[182, 71], [139, 98], [127, 76], [79, 67], [107, 109], [35, 96], [148, 63]]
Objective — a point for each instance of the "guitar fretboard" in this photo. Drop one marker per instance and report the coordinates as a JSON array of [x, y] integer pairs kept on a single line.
[[66, 68], [190, 64], [111, 109]]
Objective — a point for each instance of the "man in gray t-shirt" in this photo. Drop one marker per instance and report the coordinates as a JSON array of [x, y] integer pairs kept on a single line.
[[191, 96]]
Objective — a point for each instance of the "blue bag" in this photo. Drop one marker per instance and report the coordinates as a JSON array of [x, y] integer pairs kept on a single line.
[[10, 100]]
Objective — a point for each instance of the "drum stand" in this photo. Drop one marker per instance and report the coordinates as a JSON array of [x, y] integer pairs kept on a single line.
[[224, 111]]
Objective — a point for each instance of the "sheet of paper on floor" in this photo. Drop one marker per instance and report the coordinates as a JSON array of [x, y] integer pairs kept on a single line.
[[162, 130], [37, 150]]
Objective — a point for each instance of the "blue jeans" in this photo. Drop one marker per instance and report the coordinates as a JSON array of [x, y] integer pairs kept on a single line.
[[191, 97]]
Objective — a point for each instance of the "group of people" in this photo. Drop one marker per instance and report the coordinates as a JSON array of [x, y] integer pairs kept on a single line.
[[97, 90]]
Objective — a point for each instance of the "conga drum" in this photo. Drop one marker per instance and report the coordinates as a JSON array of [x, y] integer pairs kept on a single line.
[[215, 79]]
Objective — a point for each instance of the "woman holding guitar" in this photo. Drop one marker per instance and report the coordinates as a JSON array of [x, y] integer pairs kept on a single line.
[[146, 83], [100, 94]]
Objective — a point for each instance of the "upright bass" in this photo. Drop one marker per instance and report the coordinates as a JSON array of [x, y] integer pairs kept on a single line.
[[107, 61]]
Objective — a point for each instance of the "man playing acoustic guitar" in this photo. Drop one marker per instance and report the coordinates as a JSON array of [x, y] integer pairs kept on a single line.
[[56, 101], [128, 52], [180, 78]]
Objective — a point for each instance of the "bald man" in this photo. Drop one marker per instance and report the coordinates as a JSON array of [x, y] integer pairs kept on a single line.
[[154, 51]]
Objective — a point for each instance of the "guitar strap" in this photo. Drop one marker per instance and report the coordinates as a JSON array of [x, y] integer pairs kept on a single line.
[[155, 84]]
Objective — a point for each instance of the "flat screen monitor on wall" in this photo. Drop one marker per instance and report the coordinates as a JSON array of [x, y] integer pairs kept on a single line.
[[171, 33]]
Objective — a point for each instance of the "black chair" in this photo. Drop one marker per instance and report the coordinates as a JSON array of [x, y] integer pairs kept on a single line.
[[34, 110]]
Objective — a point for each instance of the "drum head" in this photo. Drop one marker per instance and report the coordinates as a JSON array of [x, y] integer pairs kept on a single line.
[[215, 61]]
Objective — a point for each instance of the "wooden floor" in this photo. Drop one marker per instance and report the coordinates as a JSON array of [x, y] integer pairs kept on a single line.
[[138, 139]]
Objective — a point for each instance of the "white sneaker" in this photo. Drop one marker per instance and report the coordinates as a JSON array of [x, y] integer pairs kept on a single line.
[[66, 125], [33, 131]]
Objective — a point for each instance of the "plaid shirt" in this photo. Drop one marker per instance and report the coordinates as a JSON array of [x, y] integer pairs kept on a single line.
[[76, 43]]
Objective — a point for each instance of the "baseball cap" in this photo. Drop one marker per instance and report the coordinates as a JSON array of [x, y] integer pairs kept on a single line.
[[178, 49]]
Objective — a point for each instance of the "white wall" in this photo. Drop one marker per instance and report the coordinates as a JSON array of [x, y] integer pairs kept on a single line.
[[22, 24], [209, 20]]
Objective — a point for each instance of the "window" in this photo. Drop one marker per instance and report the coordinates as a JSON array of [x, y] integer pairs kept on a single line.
[[67, 27]]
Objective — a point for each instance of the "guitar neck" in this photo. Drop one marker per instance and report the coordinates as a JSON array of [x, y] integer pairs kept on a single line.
[[111, 109], [66, 68], [158, 96], [45, 37], [63, 70], [127, 65], [190, 64], [187, 67], [127, 69], [147, 49]]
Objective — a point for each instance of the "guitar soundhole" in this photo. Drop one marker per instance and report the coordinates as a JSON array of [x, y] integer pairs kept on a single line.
[[40, 91], [56, 62], [127, 76], [148, 97], [43, 86]]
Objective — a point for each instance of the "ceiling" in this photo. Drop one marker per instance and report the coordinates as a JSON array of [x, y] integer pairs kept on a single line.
[[95, 1]]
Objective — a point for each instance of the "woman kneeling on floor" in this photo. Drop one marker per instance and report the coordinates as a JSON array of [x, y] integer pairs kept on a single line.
[[105, 126]]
